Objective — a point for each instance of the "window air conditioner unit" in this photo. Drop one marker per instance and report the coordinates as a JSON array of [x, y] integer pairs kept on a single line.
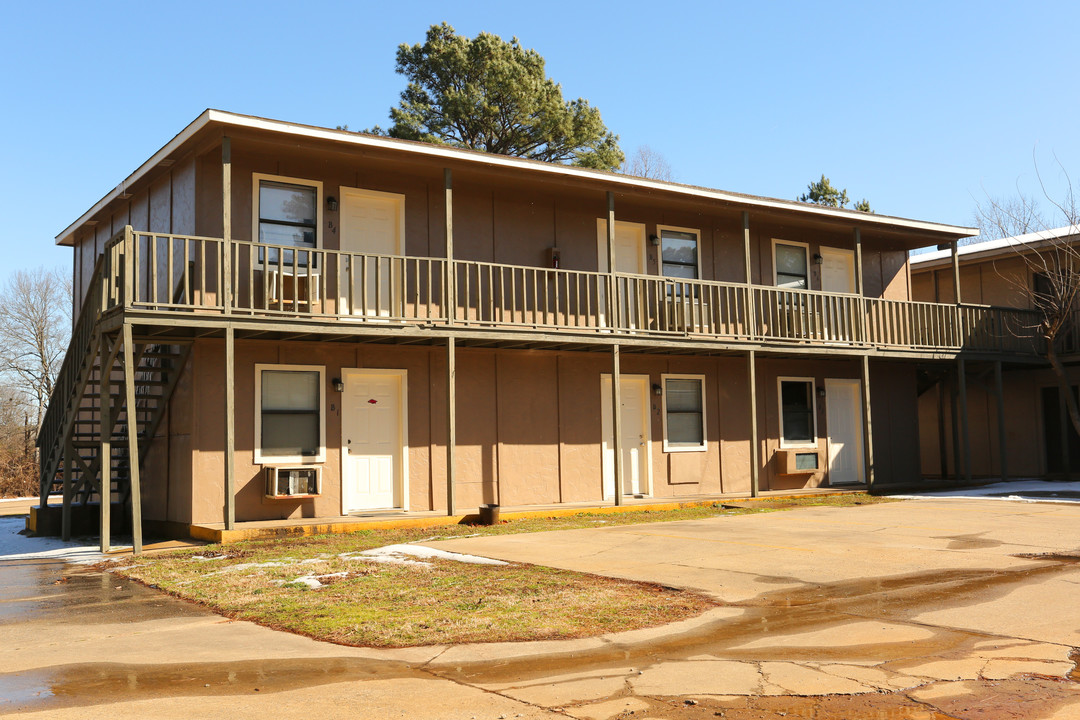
[[799, 462], [293, 481]]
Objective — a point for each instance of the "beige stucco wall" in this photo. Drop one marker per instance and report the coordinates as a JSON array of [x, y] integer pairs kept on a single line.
[[529, 427]]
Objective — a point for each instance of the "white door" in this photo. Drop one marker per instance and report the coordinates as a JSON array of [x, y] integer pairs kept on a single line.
[[629, 258], [843, 404], [837, 270], [636, 435], [372, 223], [373, 440]]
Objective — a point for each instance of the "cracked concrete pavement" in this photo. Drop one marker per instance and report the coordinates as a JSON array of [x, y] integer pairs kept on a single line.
[[919, 607]]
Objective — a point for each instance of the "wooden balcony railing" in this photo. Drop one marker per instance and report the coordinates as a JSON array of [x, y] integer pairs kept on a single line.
[[178, 273]]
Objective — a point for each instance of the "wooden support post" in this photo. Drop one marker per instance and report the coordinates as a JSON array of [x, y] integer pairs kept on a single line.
[[226, 224], [230, 431], [751, 306], [751, 367], [105, 451], [1002, 443], [616, 421], [955, 427], [965, 437], [858, 262], [65, 512], [451, 274], [1065, 425], [612, 301], [860, 289], [451, 422], [132, 440], [955, 271], [943, 445], [868, 428]]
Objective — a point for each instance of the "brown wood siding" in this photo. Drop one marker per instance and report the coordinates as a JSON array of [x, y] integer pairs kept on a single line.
[[529, 427]]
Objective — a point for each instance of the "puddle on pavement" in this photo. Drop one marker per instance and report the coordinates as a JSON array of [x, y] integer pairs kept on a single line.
[[96, 683], [91, 597], [975, 541]]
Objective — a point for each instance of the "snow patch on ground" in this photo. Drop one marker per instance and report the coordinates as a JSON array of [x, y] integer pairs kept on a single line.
[[14, 546], [405, 554], [1032, 491]]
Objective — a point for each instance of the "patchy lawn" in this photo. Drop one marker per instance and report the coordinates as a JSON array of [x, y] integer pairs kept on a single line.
[[327, 588]]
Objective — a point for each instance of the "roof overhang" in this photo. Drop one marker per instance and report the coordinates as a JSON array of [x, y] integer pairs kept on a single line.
[[613, 180], [991, 249]]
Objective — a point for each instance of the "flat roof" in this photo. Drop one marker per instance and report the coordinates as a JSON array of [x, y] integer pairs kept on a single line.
[[990, 248], [228, 119]]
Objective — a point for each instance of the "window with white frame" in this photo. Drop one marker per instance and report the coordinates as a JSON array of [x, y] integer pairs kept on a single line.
[[287, 211], [798, 422], [679, 253], [791, 265], [289, 421], [684, 412]]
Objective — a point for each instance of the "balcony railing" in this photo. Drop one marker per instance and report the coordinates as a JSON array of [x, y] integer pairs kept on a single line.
[[187, 274]]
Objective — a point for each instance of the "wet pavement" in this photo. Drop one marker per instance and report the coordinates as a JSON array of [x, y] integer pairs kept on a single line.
[[915, 610]]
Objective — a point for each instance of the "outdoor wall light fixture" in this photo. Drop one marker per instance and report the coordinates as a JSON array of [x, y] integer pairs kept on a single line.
[[821, 392], [654, 239], [331, 203], [818, 260], [657, 390], [338, 384]]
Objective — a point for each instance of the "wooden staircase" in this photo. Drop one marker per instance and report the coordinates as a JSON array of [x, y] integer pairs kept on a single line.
[[83, 441]]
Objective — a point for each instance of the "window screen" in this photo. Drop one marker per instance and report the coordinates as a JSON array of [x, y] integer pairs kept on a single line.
[[290, 413], [685, 413]]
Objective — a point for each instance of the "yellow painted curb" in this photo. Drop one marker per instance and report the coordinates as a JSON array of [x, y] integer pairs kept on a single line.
[[218, 535]]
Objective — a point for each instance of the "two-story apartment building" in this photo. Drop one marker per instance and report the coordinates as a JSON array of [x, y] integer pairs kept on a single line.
[[418, 327], [1008, 420]]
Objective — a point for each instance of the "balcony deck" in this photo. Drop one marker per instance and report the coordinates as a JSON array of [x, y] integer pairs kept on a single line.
[[171, 282]]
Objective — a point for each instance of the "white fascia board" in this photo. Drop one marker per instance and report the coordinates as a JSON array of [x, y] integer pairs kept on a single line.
[[990, 248], [489, 159]]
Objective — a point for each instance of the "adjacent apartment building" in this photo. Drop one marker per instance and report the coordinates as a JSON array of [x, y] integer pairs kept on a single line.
[[1008, 419], [277, 321]]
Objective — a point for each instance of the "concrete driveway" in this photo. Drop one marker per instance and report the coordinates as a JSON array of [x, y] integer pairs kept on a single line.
[[925, 609]]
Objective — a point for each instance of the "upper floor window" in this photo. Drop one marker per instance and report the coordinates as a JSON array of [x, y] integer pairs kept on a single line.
[[679, 253], [287, 211], [791, 263]]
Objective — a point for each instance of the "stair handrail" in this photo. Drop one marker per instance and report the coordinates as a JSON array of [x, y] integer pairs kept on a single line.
[[61, 401]]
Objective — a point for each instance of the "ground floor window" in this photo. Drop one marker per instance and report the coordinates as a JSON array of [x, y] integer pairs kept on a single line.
[[289, 422], [684, 412], [798, 426]]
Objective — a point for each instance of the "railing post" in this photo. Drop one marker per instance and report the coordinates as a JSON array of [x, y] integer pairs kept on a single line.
[[129, 266], [226, 226], [612, 284]]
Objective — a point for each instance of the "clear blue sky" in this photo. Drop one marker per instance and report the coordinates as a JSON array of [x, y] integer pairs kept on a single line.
[[919, 107]]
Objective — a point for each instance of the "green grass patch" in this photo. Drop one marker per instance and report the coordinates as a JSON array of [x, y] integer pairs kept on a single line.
[[357, 601]]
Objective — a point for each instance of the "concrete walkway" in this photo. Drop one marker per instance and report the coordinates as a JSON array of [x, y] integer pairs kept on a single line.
[[898, 610]]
